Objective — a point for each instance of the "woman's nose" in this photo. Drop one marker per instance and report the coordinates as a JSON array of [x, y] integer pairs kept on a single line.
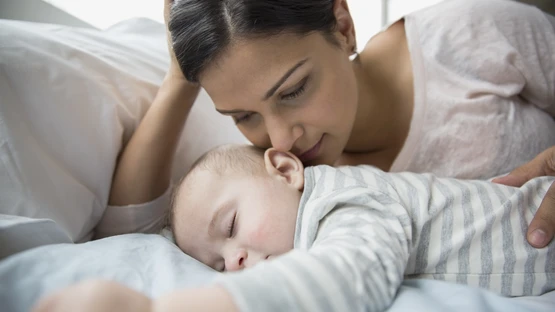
[[236, 261], [282, 135]]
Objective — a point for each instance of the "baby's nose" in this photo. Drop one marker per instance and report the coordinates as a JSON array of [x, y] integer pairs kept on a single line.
[[236, 261]]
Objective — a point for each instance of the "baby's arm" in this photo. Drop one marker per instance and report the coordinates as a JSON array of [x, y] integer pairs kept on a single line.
[[356, 263]]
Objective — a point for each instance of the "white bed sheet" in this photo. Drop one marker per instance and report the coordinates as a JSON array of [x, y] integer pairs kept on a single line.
[[154, 266]]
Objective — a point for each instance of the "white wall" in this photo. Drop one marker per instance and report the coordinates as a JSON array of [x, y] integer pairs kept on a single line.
[[105, 13], [37, 11], [398, 8], [367, 15]]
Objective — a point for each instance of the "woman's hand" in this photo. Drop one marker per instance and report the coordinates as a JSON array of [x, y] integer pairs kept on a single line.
[[95, 296], [542, 227], [175, 70]]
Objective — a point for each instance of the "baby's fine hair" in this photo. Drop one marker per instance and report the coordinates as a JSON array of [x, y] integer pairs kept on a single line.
[[222, 160], [231, 158]]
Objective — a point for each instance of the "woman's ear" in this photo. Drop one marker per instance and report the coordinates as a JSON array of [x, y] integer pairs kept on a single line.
[[345, 26], [286, 167]]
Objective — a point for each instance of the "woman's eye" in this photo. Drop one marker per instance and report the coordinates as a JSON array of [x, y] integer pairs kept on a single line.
[[231, 226], [242, 118], [297, 92]]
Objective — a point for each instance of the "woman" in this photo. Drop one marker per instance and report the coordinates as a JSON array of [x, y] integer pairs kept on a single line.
[[459, 89]]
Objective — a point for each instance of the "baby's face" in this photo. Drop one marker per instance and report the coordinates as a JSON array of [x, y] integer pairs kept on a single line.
[[234, 221]]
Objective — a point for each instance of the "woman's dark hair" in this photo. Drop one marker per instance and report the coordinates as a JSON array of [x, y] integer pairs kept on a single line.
[[202, 29]]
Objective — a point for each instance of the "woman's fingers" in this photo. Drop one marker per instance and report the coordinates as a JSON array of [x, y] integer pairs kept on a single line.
[[174, 70], [538, 167], [542, 227]]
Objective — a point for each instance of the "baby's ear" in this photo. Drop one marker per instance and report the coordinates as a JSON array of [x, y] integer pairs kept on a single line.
[[285, 166]]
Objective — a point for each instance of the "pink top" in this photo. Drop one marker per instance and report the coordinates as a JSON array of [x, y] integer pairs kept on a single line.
[[484, 85]]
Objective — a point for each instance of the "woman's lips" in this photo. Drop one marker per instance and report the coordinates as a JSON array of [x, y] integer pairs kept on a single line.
[[311, 153]]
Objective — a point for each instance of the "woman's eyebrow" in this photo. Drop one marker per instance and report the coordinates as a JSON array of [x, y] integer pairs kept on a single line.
[[229, 112], [278, 84]]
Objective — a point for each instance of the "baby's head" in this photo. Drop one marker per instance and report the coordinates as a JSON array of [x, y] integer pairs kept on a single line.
[[237, 206]]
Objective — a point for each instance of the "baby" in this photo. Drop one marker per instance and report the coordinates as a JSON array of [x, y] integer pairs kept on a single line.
[[343, 239]]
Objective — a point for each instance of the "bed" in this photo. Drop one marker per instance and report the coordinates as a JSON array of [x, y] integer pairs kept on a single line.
[[69, 100]]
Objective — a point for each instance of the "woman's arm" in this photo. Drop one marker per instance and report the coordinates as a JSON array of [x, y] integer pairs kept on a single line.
[[144, 168]]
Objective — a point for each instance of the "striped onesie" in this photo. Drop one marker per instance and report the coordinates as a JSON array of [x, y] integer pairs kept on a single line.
[[360, 231]]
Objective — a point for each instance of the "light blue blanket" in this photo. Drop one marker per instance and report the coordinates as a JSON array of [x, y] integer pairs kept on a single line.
[[153, 265]]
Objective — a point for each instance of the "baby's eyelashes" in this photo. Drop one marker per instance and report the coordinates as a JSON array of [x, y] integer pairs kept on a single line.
[[231, 226]]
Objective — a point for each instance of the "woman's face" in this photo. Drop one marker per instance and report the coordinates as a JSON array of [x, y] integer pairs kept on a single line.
[[294, 93]]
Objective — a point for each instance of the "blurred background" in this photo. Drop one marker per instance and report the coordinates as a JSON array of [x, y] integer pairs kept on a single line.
[[369, 15]]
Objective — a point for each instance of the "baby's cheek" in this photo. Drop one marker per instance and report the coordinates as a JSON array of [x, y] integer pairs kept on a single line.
[[259, 235], [268, 231], [271, 235]]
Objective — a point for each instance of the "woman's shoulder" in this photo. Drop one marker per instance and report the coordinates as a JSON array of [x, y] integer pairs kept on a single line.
[[386, 39], [456, 29]]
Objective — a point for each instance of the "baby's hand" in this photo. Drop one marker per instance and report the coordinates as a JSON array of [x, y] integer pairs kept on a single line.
[[95, 296]]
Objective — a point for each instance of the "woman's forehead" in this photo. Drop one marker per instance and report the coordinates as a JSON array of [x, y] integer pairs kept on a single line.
[[257, 59], [246, 72]]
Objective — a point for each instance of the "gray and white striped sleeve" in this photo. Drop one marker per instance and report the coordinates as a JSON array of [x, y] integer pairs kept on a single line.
[[355, 264]]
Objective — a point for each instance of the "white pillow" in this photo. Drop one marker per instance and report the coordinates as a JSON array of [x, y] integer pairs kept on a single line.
[[19, 234], [69, 98]]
